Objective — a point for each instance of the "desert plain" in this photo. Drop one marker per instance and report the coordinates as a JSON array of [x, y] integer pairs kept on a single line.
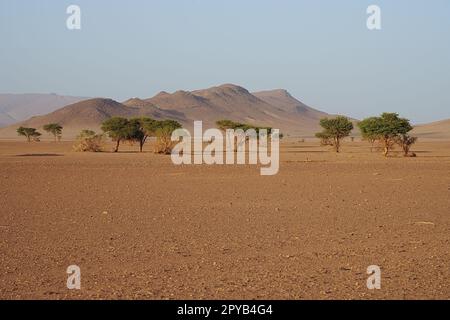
[[140, 227]]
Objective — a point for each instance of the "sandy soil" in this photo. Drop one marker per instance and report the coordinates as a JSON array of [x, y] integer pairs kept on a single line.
[[140, 227]]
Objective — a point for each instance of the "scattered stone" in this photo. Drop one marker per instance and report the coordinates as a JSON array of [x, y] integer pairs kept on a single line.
[[424, 223]]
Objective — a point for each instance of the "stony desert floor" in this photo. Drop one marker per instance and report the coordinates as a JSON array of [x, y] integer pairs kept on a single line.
[[141, 228]]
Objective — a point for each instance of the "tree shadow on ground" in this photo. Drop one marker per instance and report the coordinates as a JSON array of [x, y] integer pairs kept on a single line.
[[40, 155]]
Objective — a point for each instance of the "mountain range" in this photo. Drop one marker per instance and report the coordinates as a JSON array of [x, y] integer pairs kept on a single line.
[[274, 108]]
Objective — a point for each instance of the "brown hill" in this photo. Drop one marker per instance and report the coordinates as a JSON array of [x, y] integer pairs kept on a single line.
[[304, 118], [89, 114], [434, 130], [223, 102], [276, 108], [236, 103], [284, 100]]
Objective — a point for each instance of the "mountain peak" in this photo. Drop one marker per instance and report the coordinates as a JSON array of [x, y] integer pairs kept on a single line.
[[230, 86], [224, 89], [135, 102]]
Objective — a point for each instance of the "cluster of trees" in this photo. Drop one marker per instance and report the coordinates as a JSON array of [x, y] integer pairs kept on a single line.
[[231, 125], [31, 134], [139, 130], [388, 130], [118, 129]]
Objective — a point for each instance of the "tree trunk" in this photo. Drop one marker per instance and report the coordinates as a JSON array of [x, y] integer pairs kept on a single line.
[[386, 151], [116, 149], [405, 151], [386, 146], [141, 143], [337, 144]]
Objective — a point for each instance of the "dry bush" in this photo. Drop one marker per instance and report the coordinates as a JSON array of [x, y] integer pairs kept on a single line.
[[164, 143], [88, 141], [163, 132], [406, 142]]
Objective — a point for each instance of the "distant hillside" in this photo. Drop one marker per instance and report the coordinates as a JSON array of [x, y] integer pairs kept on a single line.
[[18, 107], [434, 130], [228, 101], [89, 114], [277, 109], [284, 100]]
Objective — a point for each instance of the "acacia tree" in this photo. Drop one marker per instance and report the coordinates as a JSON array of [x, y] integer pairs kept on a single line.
[[119, 129], [29, 133], [55, 129], [228, 124], [406, 141], [144, 128], [386, 129], [335, 130], [367, 130], [225, 125]]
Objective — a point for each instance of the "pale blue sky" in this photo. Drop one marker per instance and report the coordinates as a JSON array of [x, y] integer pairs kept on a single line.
[[321, 51]]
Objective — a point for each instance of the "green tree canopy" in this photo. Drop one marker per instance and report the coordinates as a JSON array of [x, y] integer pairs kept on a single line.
[[120, 129], [227, 125], [29, 133], [139, 129], [368, 132], [55, 129], [143, 128], [386, 129], [231, 125], [334, 130]]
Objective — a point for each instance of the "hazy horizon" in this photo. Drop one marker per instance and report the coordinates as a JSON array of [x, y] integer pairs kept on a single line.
[[319, 51]]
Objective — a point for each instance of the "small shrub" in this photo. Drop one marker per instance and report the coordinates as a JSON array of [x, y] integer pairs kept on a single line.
[[163, 132], [88, 141], [406, 141]]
